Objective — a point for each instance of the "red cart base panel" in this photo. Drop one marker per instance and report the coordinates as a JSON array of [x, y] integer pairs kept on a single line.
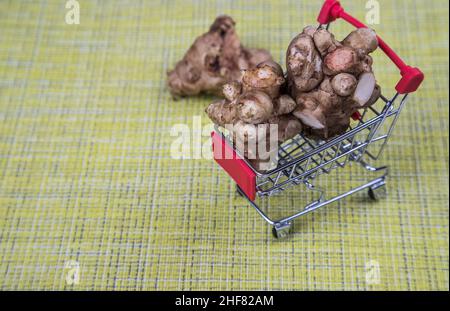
[[234, 165]]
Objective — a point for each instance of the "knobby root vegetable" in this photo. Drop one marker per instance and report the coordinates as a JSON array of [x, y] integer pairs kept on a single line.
[[251, 109], [254, 107], [255, 142], [347, 60], [326, 86], [339, 121], [288, 126], [232, 90], [325, 41], [363, 40], [214, 58], [304, 64], [326, 114], [311, 109], [267, 77], [343, 59], [222, 112], [309, 30], [246, 132], [262, 151], [343, 84], [283, 105], [372, 100]]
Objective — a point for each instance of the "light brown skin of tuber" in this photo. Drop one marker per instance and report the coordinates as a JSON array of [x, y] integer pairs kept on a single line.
[[254, 107], [325, 41], [255, 142], [267, 77], [339, 124], [310, 30], [353, 57], [260, 156], [324, 114], [283, 105], [363, 40], [304, 64], [256, 102], [246, 132], [311, 108], [232, 90], [214, 58], [342, 60], [252, 98], [288, 126], [326, 85], [222, 112], [344, 84]]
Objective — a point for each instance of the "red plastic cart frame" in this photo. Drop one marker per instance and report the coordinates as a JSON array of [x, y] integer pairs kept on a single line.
[[237, 168], [411, 77]]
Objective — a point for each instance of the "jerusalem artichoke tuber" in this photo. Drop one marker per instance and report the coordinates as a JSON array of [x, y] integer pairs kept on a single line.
[[222, 112], [232, 90], [254, 107], [266, 77], [288, 126], [317, 109], [304, 64], [215, 58], [363, 40], [342, 60], [325, 41], [343, 84], [283, 105]]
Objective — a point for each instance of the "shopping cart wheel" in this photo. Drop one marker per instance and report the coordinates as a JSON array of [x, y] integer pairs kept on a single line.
[[282, 230], [378, 192]]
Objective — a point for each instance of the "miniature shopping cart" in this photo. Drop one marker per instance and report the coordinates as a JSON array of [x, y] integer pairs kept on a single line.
[[301, 160]]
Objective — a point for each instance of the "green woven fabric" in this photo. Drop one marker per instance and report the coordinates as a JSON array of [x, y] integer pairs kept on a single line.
[[87, 176]]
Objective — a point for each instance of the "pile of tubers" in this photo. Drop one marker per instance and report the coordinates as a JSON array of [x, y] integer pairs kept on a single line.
[[325, 83], [251, 106], [331, 80]]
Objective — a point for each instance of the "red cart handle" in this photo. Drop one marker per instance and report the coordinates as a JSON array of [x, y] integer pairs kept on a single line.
[[411, 77]]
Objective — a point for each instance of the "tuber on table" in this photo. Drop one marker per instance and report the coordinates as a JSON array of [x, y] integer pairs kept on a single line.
[[214, 58]]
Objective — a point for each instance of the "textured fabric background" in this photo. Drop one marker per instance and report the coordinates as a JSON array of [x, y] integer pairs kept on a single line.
[[86, 173]]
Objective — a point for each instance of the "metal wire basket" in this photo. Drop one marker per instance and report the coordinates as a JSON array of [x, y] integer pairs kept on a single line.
[[301, 160]]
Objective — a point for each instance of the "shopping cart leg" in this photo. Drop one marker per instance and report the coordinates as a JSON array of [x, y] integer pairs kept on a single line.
[[378, 190], [282, 230]]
